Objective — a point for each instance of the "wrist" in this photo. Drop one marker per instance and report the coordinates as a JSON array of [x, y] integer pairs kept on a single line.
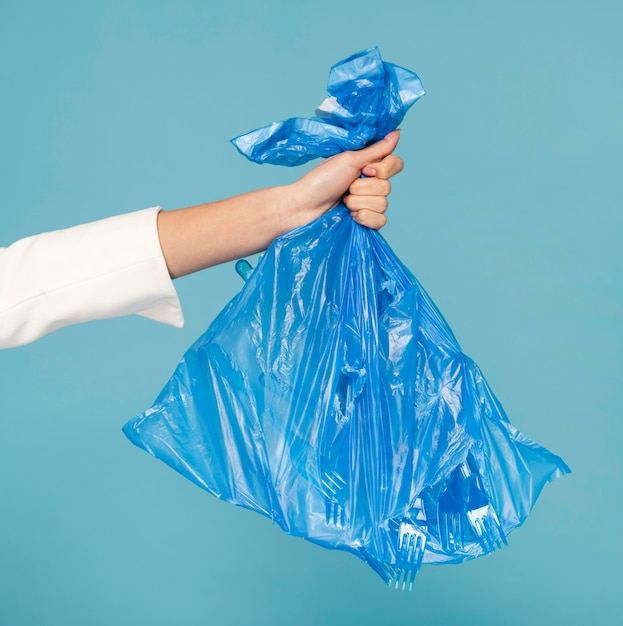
[[297, 209]]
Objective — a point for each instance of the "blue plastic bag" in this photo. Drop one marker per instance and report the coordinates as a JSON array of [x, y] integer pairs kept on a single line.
[[331, 396], [368, 98]]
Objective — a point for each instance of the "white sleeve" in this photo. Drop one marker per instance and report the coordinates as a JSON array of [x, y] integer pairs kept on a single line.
[[103, 269]]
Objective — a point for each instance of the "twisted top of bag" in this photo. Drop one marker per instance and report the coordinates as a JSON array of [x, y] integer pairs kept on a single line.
[[368, 98]]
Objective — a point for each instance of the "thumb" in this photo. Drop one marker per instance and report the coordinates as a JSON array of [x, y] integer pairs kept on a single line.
[[377, 151]]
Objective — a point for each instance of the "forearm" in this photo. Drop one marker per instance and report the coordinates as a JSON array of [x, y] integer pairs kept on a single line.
[[208, 234], [204, 235]]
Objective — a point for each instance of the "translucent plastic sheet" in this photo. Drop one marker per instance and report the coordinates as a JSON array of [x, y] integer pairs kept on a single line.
[[331, 396], [368, 98]]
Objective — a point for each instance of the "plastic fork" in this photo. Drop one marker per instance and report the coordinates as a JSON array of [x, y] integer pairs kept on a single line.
[[481, 515], [486, 525], [333, 460], [315, 468], [411, 544], [450, 516], [465, 514], [332, 486]]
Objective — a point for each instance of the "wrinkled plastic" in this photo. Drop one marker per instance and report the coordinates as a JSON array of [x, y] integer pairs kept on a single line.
[[331, 396], [368, 98]]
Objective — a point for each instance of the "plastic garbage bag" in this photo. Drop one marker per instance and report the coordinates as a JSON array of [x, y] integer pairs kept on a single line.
[[331, 396]]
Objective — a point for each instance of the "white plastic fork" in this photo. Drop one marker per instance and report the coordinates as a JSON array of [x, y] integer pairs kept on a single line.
[[486, 525], [451, 513], [482, 518], [411, 546], [450, 528], [333, 484], [464, 512]]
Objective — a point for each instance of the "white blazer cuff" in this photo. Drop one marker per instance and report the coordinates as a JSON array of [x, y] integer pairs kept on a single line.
[[98, 270]]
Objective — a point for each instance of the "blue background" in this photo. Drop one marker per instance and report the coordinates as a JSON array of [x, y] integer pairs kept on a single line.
[[509, 211]]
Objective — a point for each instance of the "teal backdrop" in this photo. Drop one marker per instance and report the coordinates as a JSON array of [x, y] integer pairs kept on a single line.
[[509, 211]]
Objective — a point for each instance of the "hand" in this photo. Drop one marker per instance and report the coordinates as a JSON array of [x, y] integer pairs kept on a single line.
[[325, 186], [367, 197], [203, 235]]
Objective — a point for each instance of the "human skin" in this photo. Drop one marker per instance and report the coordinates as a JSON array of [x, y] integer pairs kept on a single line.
[[200, 236]]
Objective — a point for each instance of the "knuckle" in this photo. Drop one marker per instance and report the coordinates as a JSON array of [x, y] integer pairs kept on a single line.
[[391, 166], [357, 186], [371, 219], [350, 202]]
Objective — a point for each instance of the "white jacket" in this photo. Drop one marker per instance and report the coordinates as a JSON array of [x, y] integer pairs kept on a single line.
[[103, 269]]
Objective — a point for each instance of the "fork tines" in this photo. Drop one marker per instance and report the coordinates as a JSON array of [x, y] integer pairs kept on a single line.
[[411, 546], [486, 525]]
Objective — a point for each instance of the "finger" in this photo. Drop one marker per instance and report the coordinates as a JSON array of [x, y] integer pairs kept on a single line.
[[370, 187], [376, 204], [369, 218], [391, 165], [377, 151]]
